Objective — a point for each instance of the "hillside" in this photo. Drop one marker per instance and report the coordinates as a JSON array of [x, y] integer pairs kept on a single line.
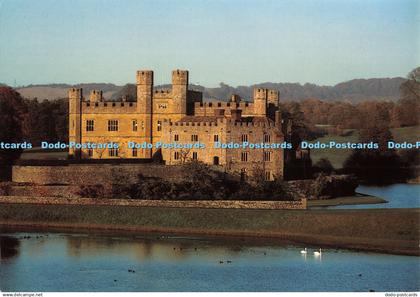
[[354, 90]]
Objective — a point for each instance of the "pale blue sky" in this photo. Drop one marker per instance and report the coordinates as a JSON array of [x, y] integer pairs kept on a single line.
[[236, 42]]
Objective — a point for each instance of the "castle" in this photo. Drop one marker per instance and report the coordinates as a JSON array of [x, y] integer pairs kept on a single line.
[[178, 115]]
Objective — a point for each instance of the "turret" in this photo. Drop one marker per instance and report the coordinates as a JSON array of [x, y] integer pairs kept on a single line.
[[95, 96], [179, 91], [144, 80], [75, 102], [260, 101], [144, 91], [273, 97]]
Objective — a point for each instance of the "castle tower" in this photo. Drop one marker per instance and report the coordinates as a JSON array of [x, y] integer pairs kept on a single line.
[[75, 120], [273, 97], [144, 106], [95, 96], [179, 91], [260, 101]]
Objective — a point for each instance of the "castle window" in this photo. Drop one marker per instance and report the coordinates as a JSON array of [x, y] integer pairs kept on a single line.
[[90, 153], [244, 156], [216, 138], [113, 152], [112, 125], [142, 125], [267, 156], [134, 152], [176, 137], [194, 155], [130, 104], [194, 137], [159, 125], [90, 125], [244, 137], [243, 174], [267, 138], [113, 104], [219, 104], [267, 175], [176, 155], [215, 160], [134, 123]]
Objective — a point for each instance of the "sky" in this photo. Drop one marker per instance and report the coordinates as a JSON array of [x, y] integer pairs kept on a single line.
[[236, 42]]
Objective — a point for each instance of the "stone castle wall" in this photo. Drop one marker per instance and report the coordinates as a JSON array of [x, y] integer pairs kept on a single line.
[[302, 204], [90, 174]]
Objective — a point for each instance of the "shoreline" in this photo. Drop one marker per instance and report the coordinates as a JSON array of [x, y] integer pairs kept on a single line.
[[358, 244], [397, 232], [347, 200]]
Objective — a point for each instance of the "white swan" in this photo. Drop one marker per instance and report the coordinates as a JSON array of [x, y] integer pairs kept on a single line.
[[318, 253], [303, 251]]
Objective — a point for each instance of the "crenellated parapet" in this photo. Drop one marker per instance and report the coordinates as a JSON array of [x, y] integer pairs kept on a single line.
[[109, 107], [162, 94]]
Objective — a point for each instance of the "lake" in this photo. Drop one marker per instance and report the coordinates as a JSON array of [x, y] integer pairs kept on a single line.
[[99, 262], [397, 195]]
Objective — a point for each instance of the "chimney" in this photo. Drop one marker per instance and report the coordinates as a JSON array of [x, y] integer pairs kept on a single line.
[[278, 119], [236, 114], [235, 98]]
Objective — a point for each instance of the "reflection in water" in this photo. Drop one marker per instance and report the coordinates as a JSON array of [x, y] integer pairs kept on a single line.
[[9, 247], [76, 262]]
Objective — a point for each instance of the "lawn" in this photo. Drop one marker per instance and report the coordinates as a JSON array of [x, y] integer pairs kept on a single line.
[[338, 156]]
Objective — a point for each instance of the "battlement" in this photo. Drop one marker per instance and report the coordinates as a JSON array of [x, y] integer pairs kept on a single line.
[[179, 77], [260, 93], [273, 97], [162, 94], [76, 93], [219, 121], [222, 104], [117, 107], [95, 96], [144, 77]]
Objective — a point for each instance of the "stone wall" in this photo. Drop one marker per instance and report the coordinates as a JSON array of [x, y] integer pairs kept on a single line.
[[302, 204], [90, 174]]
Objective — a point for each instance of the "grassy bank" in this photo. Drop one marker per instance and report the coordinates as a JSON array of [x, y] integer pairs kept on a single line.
[[383, 230], [350, 200], [338, 156]]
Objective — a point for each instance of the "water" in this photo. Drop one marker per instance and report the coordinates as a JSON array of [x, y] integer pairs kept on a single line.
[[397, 195], [78, 262]]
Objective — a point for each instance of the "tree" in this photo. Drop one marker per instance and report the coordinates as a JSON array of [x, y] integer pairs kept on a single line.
[[323, 165], [12, 117], [377, 166], [409, 103]]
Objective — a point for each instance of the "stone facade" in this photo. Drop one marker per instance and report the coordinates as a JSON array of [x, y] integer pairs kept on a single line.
[[159, 114]]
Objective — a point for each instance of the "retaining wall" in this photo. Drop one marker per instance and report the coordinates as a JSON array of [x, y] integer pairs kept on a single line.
[[301, 204]]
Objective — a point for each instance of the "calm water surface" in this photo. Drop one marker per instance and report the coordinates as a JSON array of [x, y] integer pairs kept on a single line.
[[397, 195], [78, 262]]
